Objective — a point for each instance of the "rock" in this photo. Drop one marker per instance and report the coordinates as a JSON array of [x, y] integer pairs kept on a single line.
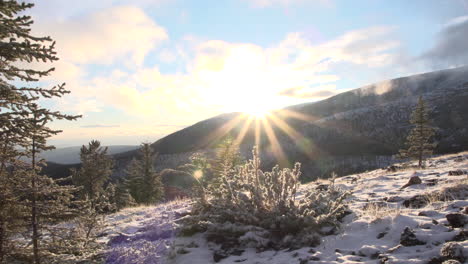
[[408, 238], [428, 213], [380, 235], [369, 251], [435, 222], [417, 201], [412, 181], [456, 173], [218, 255], [451, 261], [432, 182], [452, 250], [192, 245], [457, 220], [462, 236], [394, 199], [393, 168], [119, 239], [466, 210], [182, 251], [322, 187]]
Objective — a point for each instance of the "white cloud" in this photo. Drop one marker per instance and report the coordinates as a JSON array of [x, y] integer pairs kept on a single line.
[[223, 76], [106, 36]]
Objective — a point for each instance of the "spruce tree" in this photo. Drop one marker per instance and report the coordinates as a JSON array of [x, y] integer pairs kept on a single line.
[[226, 159], [27, 197], [122, 197], [418, 142], [144, 184], [95, 171], [134, 180]]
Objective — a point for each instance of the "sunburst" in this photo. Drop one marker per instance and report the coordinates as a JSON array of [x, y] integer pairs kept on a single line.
[[259, 122]]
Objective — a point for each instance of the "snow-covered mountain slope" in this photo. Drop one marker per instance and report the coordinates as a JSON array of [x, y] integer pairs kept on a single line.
[[374, 117], [390, 223]]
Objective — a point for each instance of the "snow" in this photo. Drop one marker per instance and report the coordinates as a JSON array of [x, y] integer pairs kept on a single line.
[[148, 234]]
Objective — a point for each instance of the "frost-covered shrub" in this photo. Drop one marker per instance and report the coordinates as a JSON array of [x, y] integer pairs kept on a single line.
[[263, 210]]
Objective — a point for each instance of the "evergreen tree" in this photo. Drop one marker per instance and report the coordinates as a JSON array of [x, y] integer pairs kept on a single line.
[[418, 140], [27, 196], [144, 184], [226, 159], [122, 197], [95, 171], [134, 180]]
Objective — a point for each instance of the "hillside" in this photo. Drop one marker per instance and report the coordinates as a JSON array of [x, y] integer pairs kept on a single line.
[[389, 223], [374, 117]]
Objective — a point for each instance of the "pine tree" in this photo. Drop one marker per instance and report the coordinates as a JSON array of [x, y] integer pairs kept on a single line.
[[226, 159], [144, 184], [122, 197], [27, 196], [95, 171], [418, 140]]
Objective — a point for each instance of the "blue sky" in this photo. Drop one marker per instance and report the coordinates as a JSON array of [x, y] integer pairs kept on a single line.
[[139, 70]]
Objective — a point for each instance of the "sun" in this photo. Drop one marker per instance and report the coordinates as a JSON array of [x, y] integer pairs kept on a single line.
[[257, 113]]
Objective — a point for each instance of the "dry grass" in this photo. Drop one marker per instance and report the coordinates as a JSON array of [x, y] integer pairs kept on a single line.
[[375, 211]]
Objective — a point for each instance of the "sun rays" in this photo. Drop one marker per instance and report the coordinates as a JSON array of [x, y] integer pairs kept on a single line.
[[265, 129]]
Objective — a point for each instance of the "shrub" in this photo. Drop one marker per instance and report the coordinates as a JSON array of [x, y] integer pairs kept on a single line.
[[263, 209]]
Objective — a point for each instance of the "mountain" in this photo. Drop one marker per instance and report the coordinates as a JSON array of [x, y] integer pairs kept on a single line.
[[350, 132], [71, 155]]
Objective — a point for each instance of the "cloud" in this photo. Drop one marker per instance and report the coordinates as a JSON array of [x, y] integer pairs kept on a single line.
[[450, 48], [269, 3], [219, 75], [106, 36]]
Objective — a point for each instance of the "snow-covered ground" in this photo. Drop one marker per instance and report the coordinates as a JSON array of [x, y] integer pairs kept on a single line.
[[382, 212]]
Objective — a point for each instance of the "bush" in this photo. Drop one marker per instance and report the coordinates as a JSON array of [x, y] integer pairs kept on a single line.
[[263, 210]]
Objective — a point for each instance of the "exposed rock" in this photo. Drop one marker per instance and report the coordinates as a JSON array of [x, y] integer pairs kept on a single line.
[[120, 238], [431, 182], [456, 173], [451, 261], [218, 255], [417, 201], [182, 251], [380, 235], [412, 181], [429, 213], [457, 220], [322, 187], [393, 168], [452, 250], [369, 251], [408, 238], [462, 236], [394, 199]]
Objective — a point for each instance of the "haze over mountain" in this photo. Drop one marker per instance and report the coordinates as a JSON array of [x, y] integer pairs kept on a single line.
[[350, 132], [71, 155]]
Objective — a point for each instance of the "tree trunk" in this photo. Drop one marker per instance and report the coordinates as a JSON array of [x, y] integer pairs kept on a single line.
[[35, 234]]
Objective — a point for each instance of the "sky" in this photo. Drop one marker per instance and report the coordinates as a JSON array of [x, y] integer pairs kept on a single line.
[[139, 70]]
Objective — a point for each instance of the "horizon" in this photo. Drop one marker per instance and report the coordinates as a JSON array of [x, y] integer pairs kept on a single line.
[[185, 62]]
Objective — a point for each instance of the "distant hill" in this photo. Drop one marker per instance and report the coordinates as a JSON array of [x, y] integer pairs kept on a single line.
[[71, 155], [350, 132]]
